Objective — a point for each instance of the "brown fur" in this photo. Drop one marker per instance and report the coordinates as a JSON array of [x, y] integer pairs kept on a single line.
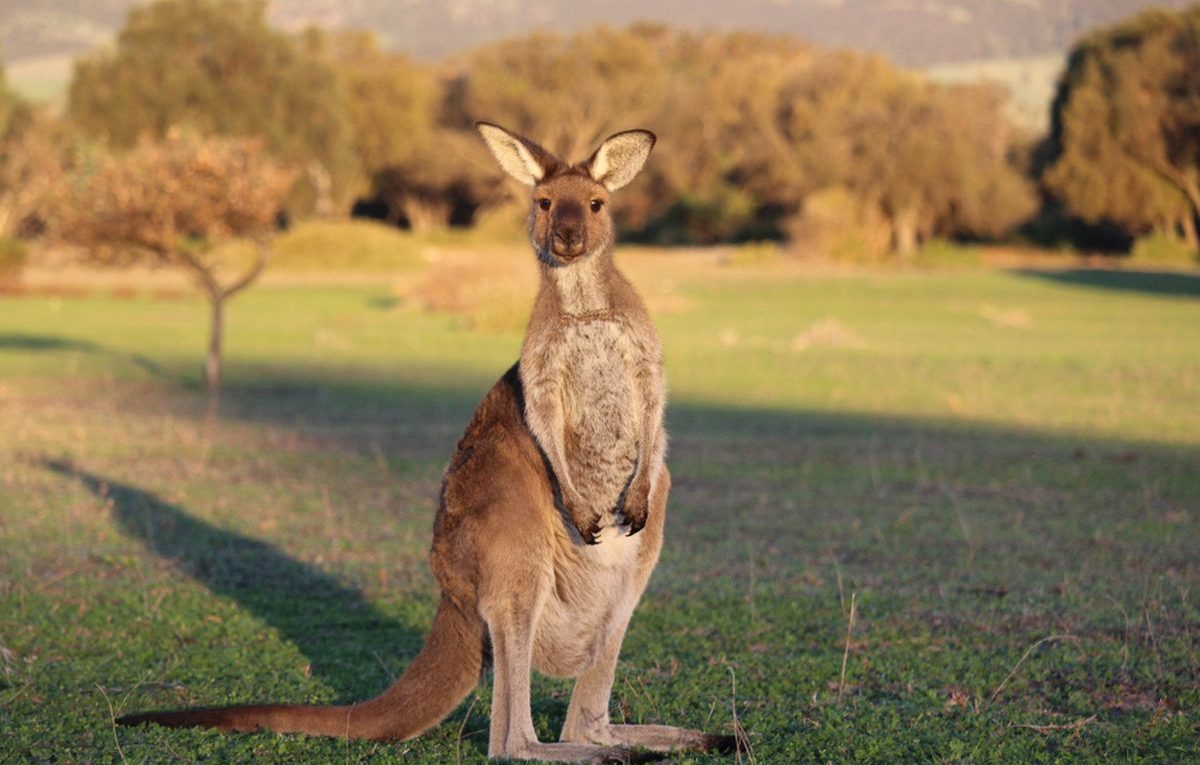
[[551, 512]]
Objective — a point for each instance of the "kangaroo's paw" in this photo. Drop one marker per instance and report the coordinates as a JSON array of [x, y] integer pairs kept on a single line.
[[590, 530], [637, 508]]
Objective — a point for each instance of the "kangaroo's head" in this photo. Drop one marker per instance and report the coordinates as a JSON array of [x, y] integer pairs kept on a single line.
[[569, 217]]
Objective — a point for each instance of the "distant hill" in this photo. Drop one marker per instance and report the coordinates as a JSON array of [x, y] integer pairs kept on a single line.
[[1030, 80], [910, 32], [44, 34]]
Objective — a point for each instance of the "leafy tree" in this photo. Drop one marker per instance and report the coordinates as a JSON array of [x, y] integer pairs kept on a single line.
[[703, 185], [443, 175], [1126, 125], [936, 160], [410, 160], [391, 101], [566, 92], [35, 155], [15, 119], [760, 124], [33, 159], [932, 159], [216, 67], [14, 114], [172, 202], [12, 108], [987, 161]]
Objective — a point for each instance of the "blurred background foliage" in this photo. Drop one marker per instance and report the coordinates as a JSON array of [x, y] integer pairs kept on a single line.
[[838, 154]]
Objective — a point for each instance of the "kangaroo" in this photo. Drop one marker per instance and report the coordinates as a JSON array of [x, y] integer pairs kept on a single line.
[[551, 510]]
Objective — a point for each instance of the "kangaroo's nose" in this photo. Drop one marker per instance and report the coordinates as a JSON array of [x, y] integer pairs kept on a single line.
[[567, 236]]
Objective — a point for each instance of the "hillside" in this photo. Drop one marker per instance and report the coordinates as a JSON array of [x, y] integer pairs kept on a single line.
[[1031, 82], [1019, 43], [910, 32]]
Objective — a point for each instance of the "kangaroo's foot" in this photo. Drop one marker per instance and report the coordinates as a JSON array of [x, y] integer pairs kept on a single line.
[[658, 738], [576, 752]]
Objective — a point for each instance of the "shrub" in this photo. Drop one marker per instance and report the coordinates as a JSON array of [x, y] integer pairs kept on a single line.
[[1162, 248], [489, 290], [836, 224], [12, 261], [940, 253], [352, 245], [752, 254]]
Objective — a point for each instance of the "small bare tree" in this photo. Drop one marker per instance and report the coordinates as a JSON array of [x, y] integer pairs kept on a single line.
[[172, 202]]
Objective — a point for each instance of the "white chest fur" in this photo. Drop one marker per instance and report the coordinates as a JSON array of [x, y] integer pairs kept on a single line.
[[602, 409]]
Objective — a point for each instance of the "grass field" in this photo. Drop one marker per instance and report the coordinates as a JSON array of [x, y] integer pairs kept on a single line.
[[999, 469]]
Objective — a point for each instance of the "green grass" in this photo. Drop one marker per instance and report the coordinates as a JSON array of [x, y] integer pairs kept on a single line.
[[981, 459]]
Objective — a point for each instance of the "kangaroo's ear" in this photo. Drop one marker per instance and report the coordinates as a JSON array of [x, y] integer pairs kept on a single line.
[[620, 158], [520, 157]]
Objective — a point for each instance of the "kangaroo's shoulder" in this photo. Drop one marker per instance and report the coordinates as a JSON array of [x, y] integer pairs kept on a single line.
[[496, 442], [500, 417]]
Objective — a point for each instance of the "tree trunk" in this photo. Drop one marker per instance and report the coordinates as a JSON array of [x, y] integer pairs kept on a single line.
[[322, 183], [905, 233], [217, 296], [8, 215], [395, 211], [212, 363], [1188, 227], [1188, 183], [425, 214]]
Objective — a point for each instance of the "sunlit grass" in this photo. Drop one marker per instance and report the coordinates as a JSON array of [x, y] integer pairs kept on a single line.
[[980, 459]]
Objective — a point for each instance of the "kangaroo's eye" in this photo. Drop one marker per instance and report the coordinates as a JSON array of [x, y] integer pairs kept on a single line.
[[597, 204], [544, 204]]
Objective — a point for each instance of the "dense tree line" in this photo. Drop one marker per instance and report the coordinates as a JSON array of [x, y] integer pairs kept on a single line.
[[757, 125], [1126, 127], [764, 137]]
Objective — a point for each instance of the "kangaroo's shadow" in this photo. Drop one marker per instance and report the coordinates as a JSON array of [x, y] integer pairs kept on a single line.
[[333, 625]]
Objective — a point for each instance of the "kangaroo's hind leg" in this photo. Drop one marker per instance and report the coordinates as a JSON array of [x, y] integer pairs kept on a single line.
[[588, 717], [512, 735], [588, 714]]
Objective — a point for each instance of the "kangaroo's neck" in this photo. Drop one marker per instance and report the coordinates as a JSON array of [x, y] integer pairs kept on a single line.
[[582, 288]]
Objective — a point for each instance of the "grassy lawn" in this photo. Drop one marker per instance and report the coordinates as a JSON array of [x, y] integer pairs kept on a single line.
[[999, 469]]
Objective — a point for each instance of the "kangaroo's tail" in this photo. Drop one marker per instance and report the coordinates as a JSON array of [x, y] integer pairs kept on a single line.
[[441, 676]]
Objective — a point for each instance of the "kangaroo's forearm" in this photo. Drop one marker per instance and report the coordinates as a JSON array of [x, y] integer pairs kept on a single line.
[[650, 450], [546, 423]]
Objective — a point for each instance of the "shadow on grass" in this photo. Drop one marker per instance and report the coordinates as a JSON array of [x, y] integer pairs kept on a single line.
[[50, 343], [23, 342], [411, 417], [1166, 283], [333, 625], [797, 477]]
